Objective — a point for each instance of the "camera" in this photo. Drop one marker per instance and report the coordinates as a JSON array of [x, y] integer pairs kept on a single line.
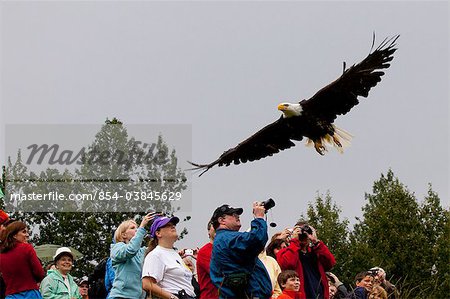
[[268, 204], [305, 229], [188, 251], [330, 277], [372, 272]]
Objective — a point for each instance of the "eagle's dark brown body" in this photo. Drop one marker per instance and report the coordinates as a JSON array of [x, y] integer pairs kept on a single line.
[[314, 117]]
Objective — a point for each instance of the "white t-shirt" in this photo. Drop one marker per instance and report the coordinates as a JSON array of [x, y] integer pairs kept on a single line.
[[168, 269]]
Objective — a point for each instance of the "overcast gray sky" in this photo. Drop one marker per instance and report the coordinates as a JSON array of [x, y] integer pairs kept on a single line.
[[223, 67]]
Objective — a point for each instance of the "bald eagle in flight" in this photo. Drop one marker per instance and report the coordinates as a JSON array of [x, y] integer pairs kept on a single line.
[[313, 118]]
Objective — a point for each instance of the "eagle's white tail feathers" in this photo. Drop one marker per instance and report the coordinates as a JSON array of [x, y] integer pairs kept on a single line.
[[309, 142], [340, 140], [344, 138]]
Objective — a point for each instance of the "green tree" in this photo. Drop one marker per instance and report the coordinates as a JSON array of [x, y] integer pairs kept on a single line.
[[90, 229], [391, 234], [435, 227], [442, 255], [2, 187]]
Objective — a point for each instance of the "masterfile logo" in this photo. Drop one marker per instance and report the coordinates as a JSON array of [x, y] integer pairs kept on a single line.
[[97, 168]]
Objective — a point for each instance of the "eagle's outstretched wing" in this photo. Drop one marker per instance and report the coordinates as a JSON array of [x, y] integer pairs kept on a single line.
[[335, 99], [342, 94], [270, 140]]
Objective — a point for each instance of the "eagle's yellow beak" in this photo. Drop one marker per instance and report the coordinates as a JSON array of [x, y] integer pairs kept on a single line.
[[282, 107]]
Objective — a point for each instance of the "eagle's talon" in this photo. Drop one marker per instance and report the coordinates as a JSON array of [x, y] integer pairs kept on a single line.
[[313, 118], [320, 149], [336, 141]]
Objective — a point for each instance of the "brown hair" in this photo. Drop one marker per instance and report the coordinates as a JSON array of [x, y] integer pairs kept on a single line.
[[274, 244], [151, 245], [285, 275], [8, 242], [360, 276], [275, 236], [301, 223]]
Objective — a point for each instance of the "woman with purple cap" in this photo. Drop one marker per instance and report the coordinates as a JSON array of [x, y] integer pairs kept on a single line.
[[164, 274], [127, 256]]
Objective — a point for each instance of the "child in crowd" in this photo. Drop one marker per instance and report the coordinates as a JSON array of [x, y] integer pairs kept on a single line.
[[83, 287], [290, 284], [364, 283], [378, 293]]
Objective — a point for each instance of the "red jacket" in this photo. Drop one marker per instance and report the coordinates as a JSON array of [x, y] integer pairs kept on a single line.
[[291, 295], [289, 259], [207, 289], [21, 269]]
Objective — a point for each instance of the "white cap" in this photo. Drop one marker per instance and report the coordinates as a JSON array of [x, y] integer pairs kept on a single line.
[[82, 280], [62, 250]]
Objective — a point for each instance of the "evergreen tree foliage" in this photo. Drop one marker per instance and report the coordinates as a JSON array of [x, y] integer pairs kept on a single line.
[[436, 229], [324, 216], [401, 236], [391, 235], [123, 169]]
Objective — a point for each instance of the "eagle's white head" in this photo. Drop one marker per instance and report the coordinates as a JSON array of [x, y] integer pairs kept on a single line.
[[290, 109]]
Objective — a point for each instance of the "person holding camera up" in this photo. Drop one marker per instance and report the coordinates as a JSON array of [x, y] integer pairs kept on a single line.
[[311, 258], [127, 256], [235, 268]]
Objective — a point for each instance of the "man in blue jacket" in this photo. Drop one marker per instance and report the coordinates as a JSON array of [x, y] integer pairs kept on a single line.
[[235, 268]]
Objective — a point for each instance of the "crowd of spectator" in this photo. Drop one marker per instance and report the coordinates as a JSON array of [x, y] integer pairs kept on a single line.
[[293, 264]]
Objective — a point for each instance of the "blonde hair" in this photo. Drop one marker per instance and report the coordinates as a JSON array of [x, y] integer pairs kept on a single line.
[[378, 292], [121, 229]]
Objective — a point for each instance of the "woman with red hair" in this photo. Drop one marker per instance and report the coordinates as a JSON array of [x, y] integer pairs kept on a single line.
[[19, 264]]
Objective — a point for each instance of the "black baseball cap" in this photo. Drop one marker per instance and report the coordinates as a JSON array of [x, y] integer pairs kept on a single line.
[[224, 210]]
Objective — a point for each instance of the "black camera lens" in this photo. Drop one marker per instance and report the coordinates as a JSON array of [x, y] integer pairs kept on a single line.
[[268, 204], [305, 229]]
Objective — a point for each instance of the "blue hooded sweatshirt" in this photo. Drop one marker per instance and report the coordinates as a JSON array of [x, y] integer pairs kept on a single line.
[[127, 260]]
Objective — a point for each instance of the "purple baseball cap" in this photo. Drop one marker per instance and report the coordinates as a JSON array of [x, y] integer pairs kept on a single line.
[[160, 222]]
